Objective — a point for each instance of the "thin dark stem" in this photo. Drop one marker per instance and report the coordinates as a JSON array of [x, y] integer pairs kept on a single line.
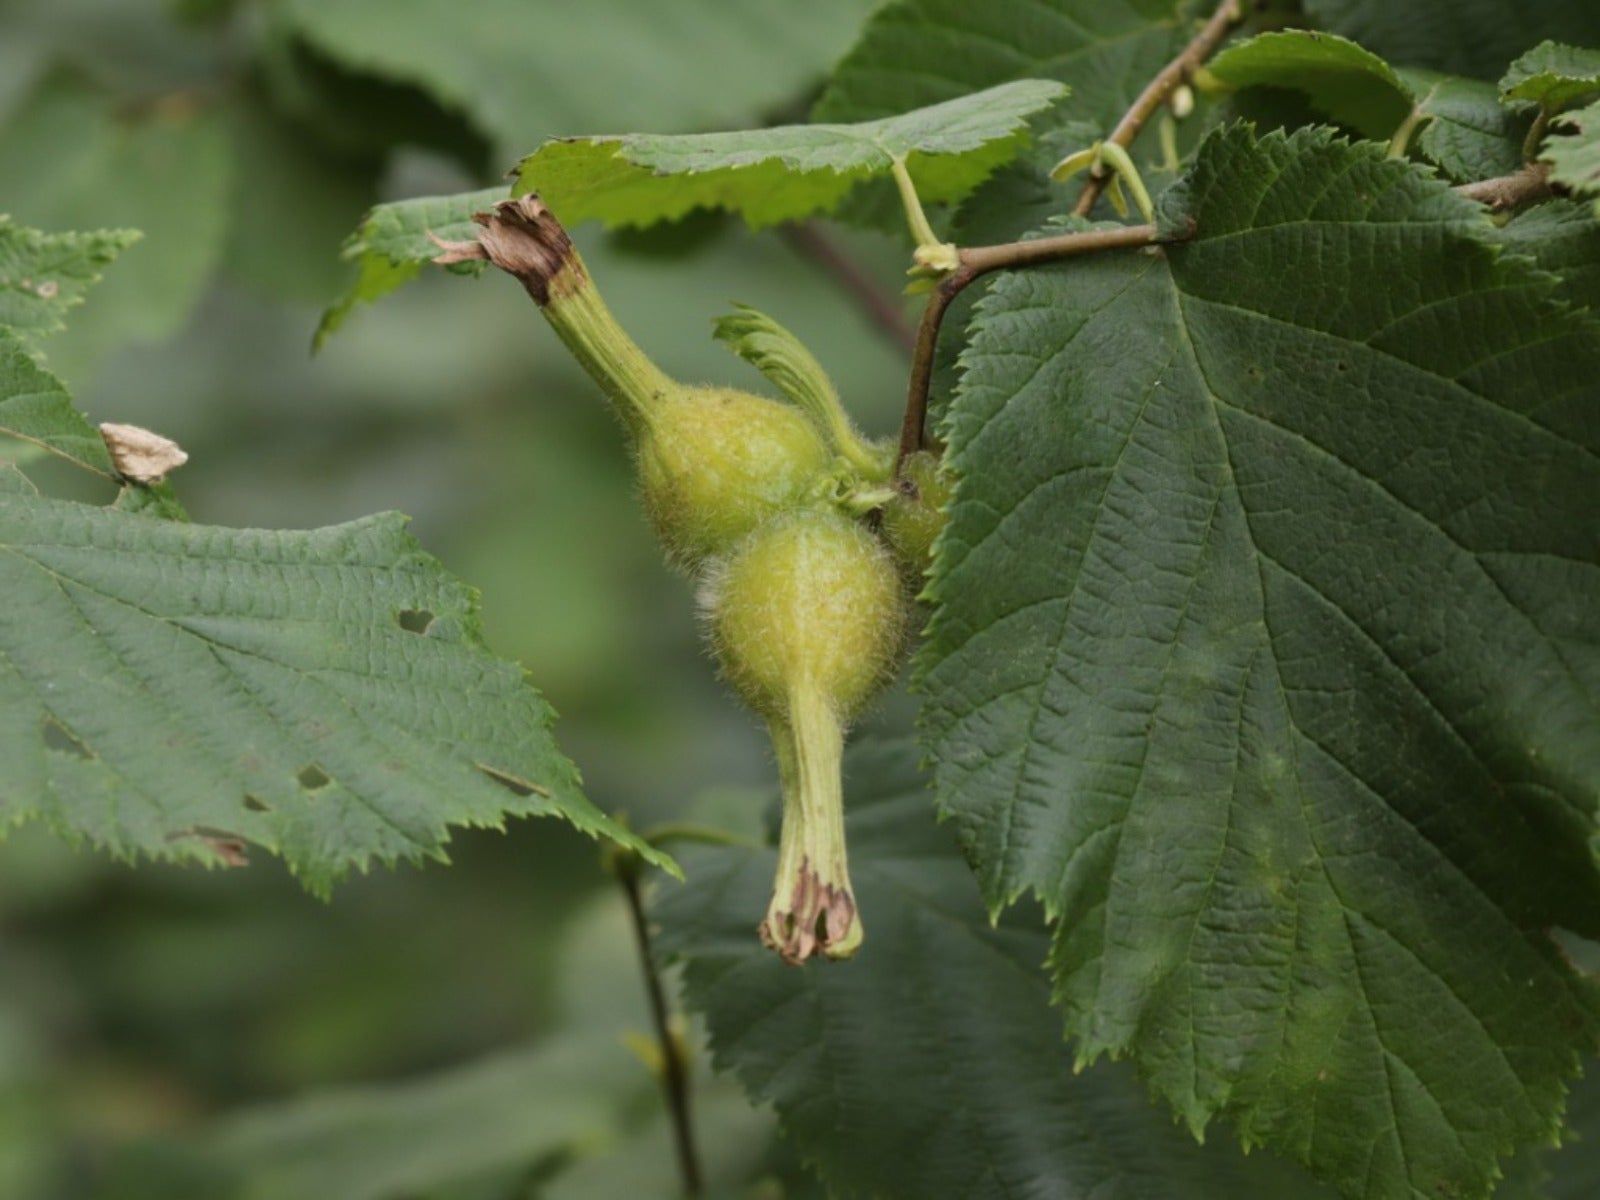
[[674, 1072], [913, 424], [1511, 191], [977, 261], [1155, 93], [881, 307]]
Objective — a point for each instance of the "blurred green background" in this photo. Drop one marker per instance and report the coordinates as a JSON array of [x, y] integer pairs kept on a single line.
[[141, 1006]]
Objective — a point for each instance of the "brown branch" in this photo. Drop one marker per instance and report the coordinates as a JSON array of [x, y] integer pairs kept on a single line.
[[1511, 191], [881, 307], [1532, 182], [1155, 93], [674, 1071], [977, 261]]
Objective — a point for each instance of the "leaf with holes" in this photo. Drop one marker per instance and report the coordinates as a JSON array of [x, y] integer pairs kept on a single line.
[[932, 1063], [1263, 654], [787, 172], [177, 690], [393, 242], [42, 275], [1463, 126]]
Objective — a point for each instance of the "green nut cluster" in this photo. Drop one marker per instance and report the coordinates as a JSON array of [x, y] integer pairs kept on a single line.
[[770, 503]]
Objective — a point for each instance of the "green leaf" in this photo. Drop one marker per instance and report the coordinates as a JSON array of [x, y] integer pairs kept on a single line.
[[392, 243], [1262, 653], [919, 52], [1469, 133], [35, 408], [1563, 237], [787, 172], [42, 275], [1573, 152], [1476, 39], [521, 70], [167, 688], [151, 500], [1553, 76], [1351, 85], [76, 158], [506, 1115], [932, 1063], [1465, 129]]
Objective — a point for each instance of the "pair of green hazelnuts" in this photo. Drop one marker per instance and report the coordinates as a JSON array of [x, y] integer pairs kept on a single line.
[[806, 548]]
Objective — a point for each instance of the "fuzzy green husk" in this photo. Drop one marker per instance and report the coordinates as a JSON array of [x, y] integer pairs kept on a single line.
[[807, 617], [916, 516]]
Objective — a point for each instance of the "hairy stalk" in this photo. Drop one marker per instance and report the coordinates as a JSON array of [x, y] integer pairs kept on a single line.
[[813, 908], [674, 1070], [524, 239]]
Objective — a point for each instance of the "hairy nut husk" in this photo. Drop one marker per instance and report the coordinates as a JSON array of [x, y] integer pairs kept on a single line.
[[714, 463], [810, 599], [918, 513]]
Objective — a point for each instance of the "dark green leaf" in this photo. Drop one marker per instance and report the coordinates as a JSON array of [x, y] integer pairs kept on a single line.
[[1351, 85], [1553, 76], [787, 172], [1563, 237], [1468, 132], [932, 1063], [1464, 127], [166, 689], [919, 52], [1263, 654], [1476, 39]]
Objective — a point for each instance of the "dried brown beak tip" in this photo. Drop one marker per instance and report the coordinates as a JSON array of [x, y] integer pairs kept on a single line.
[[523, 238], [819, 918]]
